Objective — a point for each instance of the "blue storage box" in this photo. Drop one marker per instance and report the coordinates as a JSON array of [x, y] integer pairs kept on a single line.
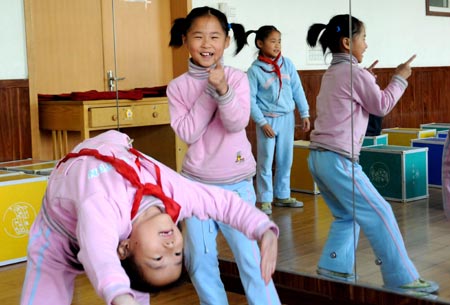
[[399, 173], [382, 139], [442, 134], [435, 148]]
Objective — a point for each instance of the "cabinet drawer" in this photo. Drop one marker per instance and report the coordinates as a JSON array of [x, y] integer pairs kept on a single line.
[[111, 116], [128, 116]]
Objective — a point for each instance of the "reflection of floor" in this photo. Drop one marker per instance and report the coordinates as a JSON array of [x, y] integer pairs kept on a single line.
[[424, 227]]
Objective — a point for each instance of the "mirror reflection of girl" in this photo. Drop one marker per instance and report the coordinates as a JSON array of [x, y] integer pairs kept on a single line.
[[102, 214], [348, 94], [209, 110], [276, 90]]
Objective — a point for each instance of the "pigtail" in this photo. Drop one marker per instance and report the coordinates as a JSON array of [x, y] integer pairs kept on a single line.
[[239, 36], [313, 36], [176, 32]]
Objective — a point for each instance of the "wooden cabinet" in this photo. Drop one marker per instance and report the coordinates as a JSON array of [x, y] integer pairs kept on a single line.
[[146, 121], [71, 45]]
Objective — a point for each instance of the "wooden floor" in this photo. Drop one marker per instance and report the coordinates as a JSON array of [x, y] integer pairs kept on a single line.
[[303, 233]]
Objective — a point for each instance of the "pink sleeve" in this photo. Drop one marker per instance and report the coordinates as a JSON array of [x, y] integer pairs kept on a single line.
[[206, 201], [189, 119]]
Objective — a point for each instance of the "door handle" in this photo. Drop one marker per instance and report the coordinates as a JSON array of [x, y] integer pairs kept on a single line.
[[112, 80]]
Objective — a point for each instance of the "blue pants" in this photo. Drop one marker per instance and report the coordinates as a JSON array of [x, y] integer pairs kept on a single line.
[[333, 175], [201, 257], [283, 143]]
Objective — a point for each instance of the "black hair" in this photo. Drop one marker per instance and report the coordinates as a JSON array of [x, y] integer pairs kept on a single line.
[[262, 33], [337, 28], [181, 26], [138, 281]]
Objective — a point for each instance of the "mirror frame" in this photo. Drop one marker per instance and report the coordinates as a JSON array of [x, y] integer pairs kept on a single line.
[[429, 12]]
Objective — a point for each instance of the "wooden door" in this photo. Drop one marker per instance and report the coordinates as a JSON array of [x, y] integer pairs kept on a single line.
[[70, 47]]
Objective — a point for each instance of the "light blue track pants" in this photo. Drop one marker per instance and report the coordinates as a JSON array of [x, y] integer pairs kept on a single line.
[[201, 257], [282, 149], [333, 175]]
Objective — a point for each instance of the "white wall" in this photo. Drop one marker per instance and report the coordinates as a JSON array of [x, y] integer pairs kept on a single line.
[[13, 52], [395, 29]]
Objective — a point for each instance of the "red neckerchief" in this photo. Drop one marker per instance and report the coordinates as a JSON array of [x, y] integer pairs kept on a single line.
[[128, 172], [276, 67]]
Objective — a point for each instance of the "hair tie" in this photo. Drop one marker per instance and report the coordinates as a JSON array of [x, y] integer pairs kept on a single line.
[[338, 29], [229, 26]]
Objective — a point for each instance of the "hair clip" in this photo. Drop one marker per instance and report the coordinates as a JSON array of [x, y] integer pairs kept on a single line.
[[338, 29], [229, 26]]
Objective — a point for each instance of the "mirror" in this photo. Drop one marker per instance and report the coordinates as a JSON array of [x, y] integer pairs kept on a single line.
[[304, 232]]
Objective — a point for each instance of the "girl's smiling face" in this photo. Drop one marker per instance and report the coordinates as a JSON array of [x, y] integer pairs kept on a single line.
[[206, 41]]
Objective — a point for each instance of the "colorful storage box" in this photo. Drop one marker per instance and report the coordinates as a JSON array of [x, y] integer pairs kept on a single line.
[[4, 173], [437, 126], [31, 167], [442, 134], [301, 179], [376, 140], [399, 173], [403, 136], [21, 197], [435, 148]]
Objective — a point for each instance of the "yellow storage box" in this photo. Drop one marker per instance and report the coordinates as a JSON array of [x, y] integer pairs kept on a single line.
[[403, 136], [301, 179], [20, 200]]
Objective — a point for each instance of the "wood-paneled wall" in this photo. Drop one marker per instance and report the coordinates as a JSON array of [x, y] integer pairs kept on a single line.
[[426, 100], [15, 132]]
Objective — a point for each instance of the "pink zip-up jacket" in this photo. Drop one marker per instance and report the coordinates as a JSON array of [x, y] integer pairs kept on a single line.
[[333, 126], [213, 126], [89, 202]]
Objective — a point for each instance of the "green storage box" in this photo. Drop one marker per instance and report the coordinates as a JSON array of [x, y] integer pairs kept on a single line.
[[437, 126], [382, 139], [403, 136], [399, 173]]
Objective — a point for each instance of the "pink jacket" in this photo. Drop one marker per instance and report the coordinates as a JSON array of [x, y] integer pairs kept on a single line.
[[336, 105], [90, 203], [213, 126]]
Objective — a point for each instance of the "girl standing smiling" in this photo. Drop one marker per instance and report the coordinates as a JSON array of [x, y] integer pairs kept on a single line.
[[210, 108]]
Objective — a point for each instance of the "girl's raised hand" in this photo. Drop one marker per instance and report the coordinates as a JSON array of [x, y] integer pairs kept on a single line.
[[404, 69], [371, 67], [217, 78]]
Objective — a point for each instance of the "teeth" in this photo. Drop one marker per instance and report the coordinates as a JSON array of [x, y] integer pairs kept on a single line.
[[206, 54], [166, 233]]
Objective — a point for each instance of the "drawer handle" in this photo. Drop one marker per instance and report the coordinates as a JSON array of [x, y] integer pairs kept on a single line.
[[155, 114], [114, 117]]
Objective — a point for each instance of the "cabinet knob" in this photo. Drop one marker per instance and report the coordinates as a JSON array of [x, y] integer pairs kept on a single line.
[[155, 114], [114, 117]]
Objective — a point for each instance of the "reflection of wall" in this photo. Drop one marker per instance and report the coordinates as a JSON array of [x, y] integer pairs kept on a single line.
[[395, 29]]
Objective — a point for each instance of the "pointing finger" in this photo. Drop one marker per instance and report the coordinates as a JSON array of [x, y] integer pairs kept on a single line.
[[409, 61], [373, 65]]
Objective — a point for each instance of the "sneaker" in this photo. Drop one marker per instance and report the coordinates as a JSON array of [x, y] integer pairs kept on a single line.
[[288, 203], [421, 285], [266, 207], [346, 277]]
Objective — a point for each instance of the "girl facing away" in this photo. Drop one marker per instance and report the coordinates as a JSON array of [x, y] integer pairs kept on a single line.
[[349, 92], [210, 108], [276, 90]]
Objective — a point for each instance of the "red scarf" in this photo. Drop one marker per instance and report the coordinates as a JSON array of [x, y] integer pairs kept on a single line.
[[128, 172], [276, 67]]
